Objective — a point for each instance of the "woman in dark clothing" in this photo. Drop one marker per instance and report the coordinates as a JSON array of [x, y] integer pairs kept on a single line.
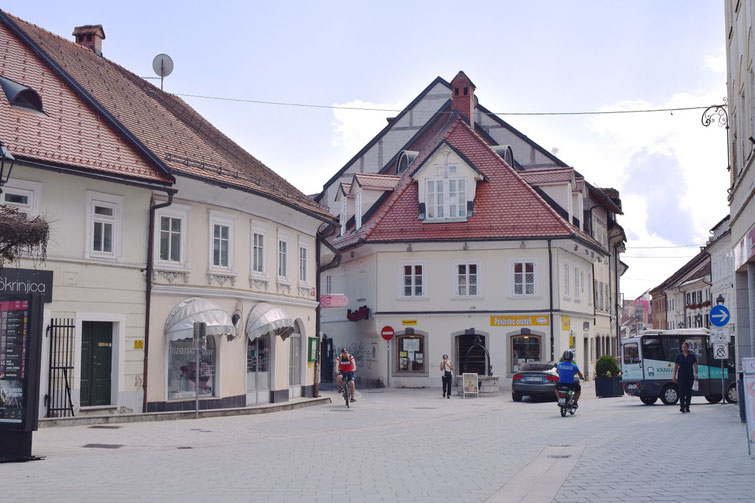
[[685, 363]]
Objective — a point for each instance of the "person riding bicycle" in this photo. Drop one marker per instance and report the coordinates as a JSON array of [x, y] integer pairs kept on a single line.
[[566, 371], [346, 368]]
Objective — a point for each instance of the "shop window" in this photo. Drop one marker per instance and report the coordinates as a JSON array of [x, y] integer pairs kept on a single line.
[[411, 353], [524, 349], [182, 368]]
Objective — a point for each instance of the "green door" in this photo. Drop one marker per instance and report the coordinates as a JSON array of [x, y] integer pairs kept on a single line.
[[96, 362]]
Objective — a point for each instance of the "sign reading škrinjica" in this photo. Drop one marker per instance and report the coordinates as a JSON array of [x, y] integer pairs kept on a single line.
[[26, 282]]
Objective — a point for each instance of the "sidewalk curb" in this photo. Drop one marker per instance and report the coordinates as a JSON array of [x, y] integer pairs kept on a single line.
[[186, 414]]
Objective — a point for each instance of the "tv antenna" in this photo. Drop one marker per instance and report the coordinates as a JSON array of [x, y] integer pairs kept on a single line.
[[163, 66]]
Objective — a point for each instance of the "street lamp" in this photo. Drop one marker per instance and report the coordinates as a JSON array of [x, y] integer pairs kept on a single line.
[[718, 114], [6, 165], [720, 300]]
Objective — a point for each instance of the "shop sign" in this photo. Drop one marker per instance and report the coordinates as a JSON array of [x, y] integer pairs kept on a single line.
[[409, 323], [334, 300], [363, 313], [139, 344], [565, 322], [519, 321], [26, 282], [745, 248]]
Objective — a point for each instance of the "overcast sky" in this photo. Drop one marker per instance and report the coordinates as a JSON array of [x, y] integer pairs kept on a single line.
[[535, 56]]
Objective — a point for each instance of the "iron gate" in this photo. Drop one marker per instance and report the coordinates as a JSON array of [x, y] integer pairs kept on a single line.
[[62, 333]]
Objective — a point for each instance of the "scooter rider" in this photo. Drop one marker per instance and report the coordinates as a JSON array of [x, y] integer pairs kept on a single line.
[[566, 371]]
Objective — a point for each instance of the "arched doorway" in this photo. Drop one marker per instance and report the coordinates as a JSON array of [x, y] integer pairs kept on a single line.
[[468, 358], [526, 347]]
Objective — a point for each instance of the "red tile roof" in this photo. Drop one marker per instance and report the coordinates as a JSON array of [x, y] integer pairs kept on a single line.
[[505, 206], [71, 134], [168, 127], [377, 181], [547, 175]]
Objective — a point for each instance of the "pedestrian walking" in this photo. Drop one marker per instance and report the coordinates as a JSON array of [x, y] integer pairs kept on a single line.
[[446, 368], [685, 375]]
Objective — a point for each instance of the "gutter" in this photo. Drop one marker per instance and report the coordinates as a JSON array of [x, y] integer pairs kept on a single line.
[[148, 291], [337, 259]]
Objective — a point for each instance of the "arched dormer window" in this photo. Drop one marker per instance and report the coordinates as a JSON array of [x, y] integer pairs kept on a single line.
[[21, 97]]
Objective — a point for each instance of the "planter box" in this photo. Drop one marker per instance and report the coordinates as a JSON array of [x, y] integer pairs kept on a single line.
[[608, 386]]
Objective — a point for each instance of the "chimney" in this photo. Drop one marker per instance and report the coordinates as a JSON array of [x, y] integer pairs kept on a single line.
[[462, 96], [90, 36]]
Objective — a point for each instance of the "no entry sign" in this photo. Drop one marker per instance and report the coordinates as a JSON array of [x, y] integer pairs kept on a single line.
[[387, 333]]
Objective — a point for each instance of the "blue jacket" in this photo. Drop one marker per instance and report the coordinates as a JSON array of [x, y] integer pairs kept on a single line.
[[566, 371]]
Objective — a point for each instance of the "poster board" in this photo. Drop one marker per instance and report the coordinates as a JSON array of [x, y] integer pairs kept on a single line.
[[469, 384], [313, 349], [748, 381]]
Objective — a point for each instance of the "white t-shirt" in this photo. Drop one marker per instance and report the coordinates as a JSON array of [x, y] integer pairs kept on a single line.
[[447, 366]]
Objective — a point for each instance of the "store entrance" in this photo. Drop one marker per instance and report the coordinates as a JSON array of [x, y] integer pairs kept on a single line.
[[96, 363], [258, 360], [475, 360]]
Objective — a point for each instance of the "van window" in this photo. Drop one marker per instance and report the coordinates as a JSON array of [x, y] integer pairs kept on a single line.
[[652, 349], [673, 346], [631, 353]]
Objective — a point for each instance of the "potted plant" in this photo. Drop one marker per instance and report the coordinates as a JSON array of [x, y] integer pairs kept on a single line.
[[607, 377]]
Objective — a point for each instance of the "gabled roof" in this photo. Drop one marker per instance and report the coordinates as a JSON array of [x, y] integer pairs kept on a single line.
[[71, 134], [375, 181], [169, 129], [682, 274], [505, 206]]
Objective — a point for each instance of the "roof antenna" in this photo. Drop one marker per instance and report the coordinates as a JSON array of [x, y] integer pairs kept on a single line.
[[163, 66]]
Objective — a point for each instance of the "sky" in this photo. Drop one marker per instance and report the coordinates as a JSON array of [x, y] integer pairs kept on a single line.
[[535, 56]]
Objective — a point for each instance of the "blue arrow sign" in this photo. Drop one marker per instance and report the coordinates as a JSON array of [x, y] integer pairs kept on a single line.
[[719, 316]]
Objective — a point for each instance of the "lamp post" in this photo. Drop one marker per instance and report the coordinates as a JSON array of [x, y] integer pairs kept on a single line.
[[718, 114], [6, 165]]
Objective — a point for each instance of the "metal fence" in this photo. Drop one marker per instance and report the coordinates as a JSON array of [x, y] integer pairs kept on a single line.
[[62, 333]]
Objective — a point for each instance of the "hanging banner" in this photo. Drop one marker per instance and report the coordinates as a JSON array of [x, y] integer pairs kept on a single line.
[[565, 323]]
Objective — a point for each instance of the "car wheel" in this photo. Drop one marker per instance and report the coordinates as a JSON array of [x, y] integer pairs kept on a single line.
[[517, 397], [731, 393], [649, 400], [669, 394], [713, 398]]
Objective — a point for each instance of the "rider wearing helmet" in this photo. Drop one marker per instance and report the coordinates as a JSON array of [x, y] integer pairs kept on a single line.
[[566, 371]]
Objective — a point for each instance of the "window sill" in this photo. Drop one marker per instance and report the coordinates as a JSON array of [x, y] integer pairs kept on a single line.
[[525, 297], [221, 277], [402, 298], [468, 297], [444, 220], [98, 407]]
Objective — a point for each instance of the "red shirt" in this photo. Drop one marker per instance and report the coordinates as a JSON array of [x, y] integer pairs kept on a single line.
[[345, 365]]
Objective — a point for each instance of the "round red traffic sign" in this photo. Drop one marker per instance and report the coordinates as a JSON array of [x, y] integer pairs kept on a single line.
[[387, 333]]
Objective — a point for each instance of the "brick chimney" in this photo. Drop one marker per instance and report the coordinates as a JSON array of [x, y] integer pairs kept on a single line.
[[462, 96], [90, 36]]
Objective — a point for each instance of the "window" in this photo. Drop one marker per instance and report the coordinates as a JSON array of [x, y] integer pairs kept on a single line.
[[302, 264], [524, 349], [466, 280], [342, 216], [282, 259], [258, 252], [23, 195], [358, 210], [413, 284], [576, 283], [221, 241], [590, 289], [182, 368], [582, 282], [566, 280], [600, 295], [688, 302], [329, 284], [411, 353], [524, 278], [104, 225], [652, 349], [446, 198], [170, 239], [294, 358], [631, 353]]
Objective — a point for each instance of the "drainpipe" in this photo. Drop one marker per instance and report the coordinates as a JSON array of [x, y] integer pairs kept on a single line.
[[150, 266], [321, 239], [550, 294]]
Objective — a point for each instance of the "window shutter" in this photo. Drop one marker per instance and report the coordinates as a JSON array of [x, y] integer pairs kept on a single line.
[[421, 214]]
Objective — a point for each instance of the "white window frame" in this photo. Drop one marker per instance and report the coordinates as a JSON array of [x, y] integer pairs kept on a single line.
[[31, 190], [329, 284], [358, 210], [413, 263], [282, 238], [589, 289], [576, 284], [567, 293], [303, 246], [108, 200], [180, 212], [431, 197], [524, 262], [258, 229], [228, 220], [455, 273]]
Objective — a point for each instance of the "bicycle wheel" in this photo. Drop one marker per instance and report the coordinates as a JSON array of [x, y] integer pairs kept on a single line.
[[346, 393]]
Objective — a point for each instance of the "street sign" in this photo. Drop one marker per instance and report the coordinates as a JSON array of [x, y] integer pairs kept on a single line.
[[720, 335], [721, 351], [387, 333], [334, 300], [719, 315]]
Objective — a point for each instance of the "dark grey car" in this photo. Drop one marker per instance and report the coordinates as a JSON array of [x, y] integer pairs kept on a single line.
[[536, 380]]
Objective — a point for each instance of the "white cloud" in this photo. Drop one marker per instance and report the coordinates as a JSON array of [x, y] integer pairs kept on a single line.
[[716, 63]]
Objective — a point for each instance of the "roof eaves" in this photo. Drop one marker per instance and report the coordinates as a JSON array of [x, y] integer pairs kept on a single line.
[[88, 98]]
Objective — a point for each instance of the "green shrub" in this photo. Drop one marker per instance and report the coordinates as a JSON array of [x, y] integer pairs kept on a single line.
[[606, 366]]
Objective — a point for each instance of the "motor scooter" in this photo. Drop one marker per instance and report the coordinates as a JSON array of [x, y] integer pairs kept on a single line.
[[566, 400]]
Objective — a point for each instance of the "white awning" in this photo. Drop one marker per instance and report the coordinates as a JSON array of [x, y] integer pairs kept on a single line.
[[180, 322], [264, 318]]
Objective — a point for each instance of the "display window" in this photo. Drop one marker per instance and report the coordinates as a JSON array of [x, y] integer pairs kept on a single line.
[[411, 353], [183, 378], [524, 349]]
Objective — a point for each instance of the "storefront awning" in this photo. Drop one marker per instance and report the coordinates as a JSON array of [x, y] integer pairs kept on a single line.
[[264, 318], [180, 322]]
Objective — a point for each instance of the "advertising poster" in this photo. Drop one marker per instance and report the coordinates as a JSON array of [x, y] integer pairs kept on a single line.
[[469, 384], [14, 323], [748, 368]]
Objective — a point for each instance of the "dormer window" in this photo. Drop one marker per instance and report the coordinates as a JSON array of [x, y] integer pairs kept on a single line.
[[342, 216], [446, 198], [358, 211]]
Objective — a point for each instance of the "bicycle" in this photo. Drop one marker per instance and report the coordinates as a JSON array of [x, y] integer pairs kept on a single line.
[[346, 390]]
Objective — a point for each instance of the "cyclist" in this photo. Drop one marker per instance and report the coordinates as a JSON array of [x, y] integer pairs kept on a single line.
[[346, 368], [566, 371]]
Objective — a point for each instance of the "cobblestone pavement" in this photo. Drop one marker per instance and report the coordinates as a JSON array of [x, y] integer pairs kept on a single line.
[[401, 445]]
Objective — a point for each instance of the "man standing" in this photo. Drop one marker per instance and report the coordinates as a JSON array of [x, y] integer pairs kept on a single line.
[[446, 369], [685, 363]]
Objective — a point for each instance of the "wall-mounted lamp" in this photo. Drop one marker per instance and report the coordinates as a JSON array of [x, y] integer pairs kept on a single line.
[[409, 247], [6, 165], [523, 245], [465, 247], [720, 299]]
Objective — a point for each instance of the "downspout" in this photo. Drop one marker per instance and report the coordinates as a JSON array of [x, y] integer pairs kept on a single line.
[[150, 266], [616, 302], [321, 239], [550, 295]]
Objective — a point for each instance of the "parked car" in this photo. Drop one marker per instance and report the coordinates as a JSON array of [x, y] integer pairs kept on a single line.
[[536, 380]]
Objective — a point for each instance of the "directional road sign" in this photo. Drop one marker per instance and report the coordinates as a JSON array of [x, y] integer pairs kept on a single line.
[[721, 351], [719, 315], [720, 335]]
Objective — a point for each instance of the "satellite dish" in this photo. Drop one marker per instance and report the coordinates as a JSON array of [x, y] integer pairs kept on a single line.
[[163, 66]]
